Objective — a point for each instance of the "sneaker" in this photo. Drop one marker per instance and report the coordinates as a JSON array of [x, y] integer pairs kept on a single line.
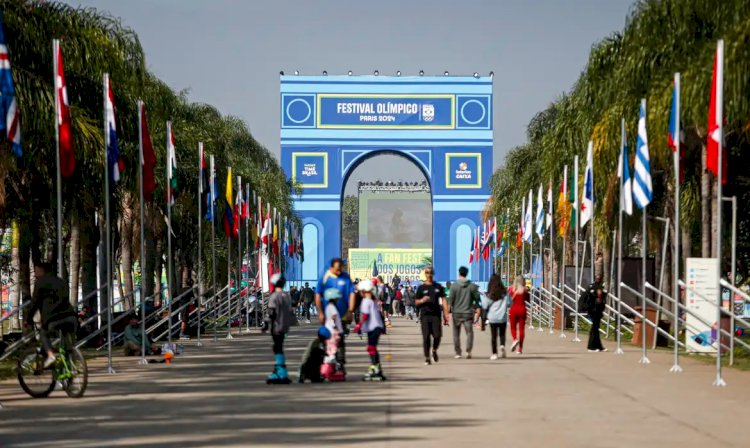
[[603, 350], [502, 351], [427, 361], [49, 362], [457, 357], [514, 345], [519, 353], [493, 357], [593, 351], [308, 321], [468, 355], [435, 356]]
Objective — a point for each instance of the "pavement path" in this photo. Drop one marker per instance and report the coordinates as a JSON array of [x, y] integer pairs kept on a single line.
[[556, 394]]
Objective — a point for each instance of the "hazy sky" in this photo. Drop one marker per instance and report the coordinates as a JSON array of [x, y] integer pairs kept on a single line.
[[229, 52]]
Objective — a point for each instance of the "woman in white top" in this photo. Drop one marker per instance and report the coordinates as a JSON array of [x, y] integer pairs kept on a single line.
[[372, 324]]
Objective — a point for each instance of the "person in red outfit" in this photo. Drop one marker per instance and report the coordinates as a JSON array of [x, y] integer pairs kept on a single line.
[[519, 294]]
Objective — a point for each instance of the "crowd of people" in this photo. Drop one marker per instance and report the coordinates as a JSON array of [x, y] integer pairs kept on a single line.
[[366, 307]]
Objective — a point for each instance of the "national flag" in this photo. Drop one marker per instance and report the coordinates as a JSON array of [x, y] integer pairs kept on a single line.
[[626, 189], [266, 234], [11, 125], [228, 212], [519, 236], [539, 214], [501, 230], [275, 244], [642, 189], [204, 177], [528, 226], [246, 204], [573, 200], [587, 198], [474, 253], [375, 271], [237, 210], [148, 161], [213, 193], [115, 163], [715, 141], [548, 224], [675, 136], [172, 166], [301, 250], [501, 251], [62, 116], [285, 239], [485, 247], [563, 206]]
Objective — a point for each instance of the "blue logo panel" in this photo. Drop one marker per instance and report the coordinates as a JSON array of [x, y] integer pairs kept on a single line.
[[349, 111], [474, 112], [310, 169], [297, 111], [463, 170]]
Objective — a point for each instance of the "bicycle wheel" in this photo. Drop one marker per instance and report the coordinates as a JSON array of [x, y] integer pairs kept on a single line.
[[35, 380], [75, 387]]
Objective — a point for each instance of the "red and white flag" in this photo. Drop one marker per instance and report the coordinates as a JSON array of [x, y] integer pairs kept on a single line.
[[62, 115], [715, 141], [267, 233]]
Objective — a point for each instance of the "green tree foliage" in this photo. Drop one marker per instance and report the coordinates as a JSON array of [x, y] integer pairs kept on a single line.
[[94, 43], [660, 37]]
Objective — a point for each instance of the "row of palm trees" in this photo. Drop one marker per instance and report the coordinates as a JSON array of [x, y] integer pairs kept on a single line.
[[660, 37], [94, 43]]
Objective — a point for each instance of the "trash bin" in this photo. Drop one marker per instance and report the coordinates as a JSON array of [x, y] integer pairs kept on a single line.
[[638, 331]]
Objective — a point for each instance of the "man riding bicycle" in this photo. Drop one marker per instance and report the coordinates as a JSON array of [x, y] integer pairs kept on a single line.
[[51, 300]]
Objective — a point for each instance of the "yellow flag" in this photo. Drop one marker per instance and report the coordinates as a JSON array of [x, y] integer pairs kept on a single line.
[[229, 186]]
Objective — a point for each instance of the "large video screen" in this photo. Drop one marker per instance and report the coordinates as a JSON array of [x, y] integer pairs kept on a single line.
[[395, 220]]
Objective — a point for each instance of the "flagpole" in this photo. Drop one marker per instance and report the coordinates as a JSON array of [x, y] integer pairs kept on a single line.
[[644, 215], [247, 252], [200, 241], [229, 269], [676, 237], [212, 192], [170, 193], [108, 232], [623, 161], [551, 255], [239, 255], [60, 261], [564, 249], [578, 217], [719, 382], [593, 215], [143, 234]]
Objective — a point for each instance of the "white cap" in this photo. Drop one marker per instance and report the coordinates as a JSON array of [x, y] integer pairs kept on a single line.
[[365, 285]]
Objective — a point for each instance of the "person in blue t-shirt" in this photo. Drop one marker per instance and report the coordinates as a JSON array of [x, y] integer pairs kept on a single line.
[[334, 277]]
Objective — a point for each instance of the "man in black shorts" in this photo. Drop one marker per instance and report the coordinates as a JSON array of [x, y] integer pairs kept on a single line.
[[433, 311]]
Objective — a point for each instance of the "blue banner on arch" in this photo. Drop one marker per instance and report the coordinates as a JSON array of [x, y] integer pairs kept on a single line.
[[386, 111]]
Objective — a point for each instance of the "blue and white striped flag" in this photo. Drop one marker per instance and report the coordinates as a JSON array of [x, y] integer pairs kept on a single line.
[[539, 213], [643, 191], [528, 226]]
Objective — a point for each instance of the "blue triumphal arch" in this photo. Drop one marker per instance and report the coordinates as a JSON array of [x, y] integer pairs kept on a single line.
[[331, 124]]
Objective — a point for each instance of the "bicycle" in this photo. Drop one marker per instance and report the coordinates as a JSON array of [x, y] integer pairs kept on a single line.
[[69, 370]]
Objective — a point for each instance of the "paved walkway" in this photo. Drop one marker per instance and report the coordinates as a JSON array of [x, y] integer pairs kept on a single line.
[[556, 394]]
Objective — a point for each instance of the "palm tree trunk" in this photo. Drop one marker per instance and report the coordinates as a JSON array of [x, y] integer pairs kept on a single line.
[[15, 292], [150, 254], [715, 218], [89, 239], [75, 259], [126, 252], [158, 268], [705, 207]]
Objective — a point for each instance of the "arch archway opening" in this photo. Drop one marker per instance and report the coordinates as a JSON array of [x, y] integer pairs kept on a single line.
[[386, 203]]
